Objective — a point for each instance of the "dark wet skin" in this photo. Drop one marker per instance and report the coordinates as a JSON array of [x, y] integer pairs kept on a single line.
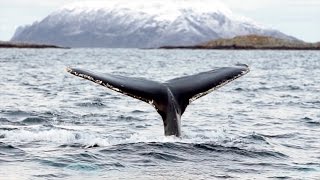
[[170, 98]]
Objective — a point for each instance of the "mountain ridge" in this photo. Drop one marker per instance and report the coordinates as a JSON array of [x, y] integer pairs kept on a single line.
[[140, 24]]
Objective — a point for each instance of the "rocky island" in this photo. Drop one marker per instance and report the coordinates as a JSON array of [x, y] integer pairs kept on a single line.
[[7, 44], [252, 42]]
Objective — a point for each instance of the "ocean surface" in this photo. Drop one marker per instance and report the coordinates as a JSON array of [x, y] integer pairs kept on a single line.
[[264, 125]]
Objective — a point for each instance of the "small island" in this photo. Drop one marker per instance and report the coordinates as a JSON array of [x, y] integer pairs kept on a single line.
[[8, 44], [254, 42]]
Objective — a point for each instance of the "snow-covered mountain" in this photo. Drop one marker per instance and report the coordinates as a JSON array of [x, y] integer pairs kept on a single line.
[[140, 24]]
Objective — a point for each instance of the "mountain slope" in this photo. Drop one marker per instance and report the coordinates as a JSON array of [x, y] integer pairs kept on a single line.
[[140, 24]]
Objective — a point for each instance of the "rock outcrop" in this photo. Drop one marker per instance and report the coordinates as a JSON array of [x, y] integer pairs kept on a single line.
[[4, 44], [252, 42]]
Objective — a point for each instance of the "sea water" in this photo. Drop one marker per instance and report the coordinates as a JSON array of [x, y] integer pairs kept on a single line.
[[264, 125]]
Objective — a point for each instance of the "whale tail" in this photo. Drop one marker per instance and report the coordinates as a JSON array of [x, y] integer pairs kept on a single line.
[[170, 98]]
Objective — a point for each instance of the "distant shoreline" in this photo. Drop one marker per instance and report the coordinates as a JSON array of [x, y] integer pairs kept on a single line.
[[5, 44], [251, 42], [237, 48], [248, 42]]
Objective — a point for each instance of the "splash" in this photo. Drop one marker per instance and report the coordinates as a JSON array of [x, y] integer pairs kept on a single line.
[[92, 139]]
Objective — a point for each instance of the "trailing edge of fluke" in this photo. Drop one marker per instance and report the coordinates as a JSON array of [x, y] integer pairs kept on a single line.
[[169, 98]]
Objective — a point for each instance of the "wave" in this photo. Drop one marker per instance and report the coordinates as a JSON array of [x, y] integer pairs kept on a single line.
[[160, 148], [279, 136], [310, 121], [58, 136], [240, 151], [91, 104], [70, 135], [15, 113], [78, 135], [34, 120], [10, 150]]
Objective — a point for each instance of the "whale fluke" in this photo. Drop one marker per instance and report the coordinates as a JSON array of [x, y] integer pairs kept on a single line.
[[170, 98]]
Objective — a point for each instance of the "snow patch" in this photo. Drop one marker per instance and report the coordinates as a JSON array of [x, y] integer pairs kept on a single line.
[[163, 9]]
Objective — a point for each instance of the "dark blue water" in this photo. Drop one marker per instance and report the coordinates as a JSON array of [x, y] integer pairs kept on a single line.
[[265, 125]]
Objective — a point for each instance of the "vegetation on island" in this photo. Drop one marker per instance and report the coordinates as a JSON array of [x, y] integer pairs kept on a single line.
[[252, 42]]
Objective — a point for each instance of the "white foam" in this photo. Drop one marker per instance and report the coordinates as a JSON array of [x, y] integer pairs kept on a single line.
[[63, 136], [55, 136]]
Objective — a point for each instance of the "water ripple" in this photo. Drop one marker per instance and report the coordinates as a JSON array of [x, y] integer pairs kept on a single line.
[[55, 126]]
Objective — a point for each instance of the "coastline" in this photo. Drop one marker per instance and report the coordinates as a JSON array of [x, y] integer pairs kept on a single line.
[[251, 42], [238, 48], [6, 44]]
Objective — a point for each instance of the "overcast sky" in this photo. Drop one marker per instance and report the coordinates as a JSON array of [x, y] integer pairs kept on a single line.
[[299, 18]]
